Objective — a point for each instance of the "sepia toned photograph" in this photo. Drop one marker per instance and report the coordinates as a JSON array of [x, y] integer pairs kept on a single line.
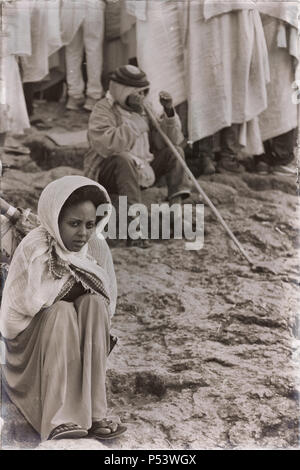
[[149, 190]]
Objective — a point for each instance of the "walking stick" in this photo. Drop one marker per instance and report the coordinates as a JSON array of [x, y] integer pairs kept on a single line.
[[197, 185]]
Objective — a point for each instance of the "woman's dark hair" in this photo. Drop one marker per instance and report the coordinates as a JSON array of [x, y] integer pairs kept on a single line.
[[85, 193]]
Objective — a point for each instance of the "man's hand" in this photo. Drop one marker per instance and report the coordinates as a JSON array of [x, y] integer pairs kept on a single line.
[[166, 101], [135, 103]]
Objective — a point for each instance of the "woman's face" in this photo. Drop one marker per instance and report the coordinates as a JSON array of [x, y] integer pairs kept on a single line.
[[77, 225]]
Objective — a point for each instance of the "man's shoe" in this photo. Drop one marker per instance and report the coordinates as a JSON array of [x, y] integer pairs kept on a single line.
[[74, 104], [208, 167], [283, 170], [179, 196], [230, 164], [89, 103], [262, 168]]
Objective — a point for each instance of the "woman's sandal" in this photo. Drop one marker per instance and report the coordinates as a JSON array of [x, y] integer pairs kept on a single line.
[[67, 431], [98, 429]]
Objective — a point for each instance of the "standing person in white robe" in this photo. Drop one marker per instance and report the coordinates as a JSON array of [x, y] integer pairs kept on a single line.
[[14, 41], [120, 37], [45, 40], [159, 46], [279, 121], [227, 73], [45, 37], [82, 23]]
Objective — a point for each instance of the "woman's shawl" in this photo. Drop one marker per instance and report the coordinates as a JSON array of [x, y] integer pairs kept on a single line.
[[42, 267]]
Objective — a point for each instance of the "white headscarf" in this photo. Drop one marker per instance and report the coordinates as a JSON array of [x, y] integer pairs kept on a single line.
[[50, 204], [31, 285]]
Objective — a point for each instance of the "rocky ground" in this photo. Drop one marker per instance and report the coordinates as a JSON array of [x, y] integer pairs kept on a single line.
[[208, 356]]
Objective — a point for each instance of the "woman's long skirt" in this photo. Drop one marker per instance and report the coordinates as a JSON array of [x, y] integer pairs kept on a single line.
[[55, 370]]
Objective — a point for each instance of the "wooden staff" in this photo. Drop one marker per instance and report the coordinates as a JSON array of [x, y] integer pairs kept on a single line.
[[196, 184]]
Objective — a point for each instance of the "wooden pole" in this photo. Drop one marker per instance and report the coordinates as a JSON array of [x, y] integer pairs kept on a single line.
[[196, 184]]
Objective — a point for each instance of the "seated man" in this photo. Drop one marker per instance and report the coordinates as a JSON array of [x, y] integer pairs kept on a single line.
[[126, 152]]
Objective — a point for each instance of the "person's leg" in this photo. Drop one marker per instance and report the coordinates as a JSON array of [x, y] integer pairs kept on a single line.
[[262, 162], [281, 151], [94, 334], [94, 327], [118, 174], [74, 56], [229, 140], [44, 371], [28, 94], [166, 164], [93, 37], [204, 150], [2, 139], [62, 395], [230, 147]]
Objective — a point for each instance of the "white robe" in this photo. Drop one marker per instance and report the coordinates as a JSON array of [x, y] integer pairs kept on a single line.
[[280, 27], [15, 40], [118, 51], [160, 51], [72, 15], [227, 70], [45, 38]]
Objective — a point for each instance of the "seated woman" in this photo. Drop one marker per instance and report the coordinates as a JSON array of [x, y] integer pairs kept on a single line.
[[58, 299]]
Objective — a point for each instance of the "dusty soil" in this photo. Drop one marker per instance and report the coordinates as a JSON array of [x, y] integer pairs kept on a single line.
[[208, 356]]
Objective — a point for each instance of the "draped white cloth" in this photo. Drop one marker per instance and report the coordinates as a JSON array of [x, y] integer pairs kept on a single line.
[[212, 53], [280, 28], [13, 112], [45, 37], [117, 52], [160, 51], [15, 40], [227, 71], [137, 8], [16, 28], [220, 7], [281, 9], [30, 286], [72, 14]]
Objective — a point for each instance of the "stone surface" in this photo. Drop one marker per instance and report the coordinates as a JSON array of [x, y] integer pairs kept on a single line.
[[23, 189], [46, 154]]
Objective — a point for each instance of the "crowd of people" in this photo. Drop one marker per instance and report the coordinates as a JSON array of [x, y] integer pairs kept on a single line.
[[233, 63]]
